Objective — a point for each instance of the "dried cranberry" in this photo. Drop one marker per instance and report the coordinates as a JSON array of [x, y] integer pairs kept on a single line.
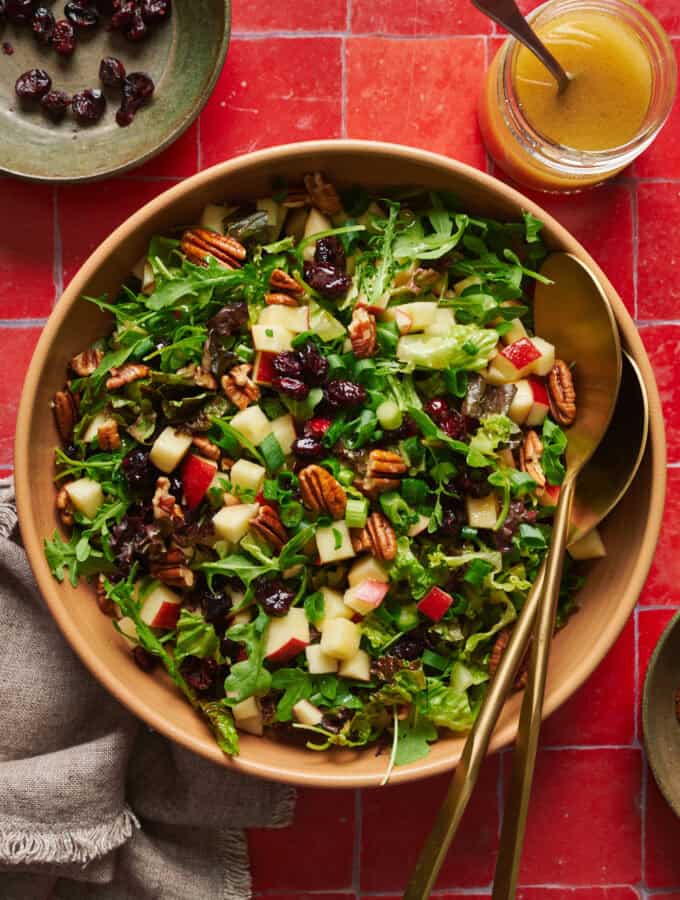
[[199, 673], [89, 106], [43, 26], [106, 7], [292, 387], [345, 394], [314, 364], [308, 447], [81, 14], [473, 482], [287, 364], [454, 424], [137, 30], [56, 104], [273, 596], [19, 11], [436, 408], [33, 84], [111, 72], [144, 659], [411, 645], [230, 649], [138, 89], [124, 14], [138, 470], [156, 10], [330, 252], [64, 38], [7, 48], [327, 281], [318, 427], [453, 520]]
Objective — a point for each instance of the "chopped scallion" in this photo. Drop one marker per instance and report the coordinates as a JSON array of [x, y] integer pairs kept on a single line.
[[356, 512], [272, 453]]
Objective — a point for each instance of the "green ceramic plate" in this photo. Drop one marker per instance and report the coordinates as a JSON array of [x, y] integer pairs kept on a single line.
[[662, 729], [184, 57]]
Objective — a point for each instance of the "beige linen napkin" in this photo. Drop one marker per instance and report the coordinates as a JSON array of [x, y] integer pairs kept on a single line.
[[92, 803]]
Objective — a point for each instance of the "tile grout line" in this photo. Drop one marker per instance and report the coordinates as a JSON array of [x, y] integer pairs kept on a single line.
[[636, 231], [388, 36], [57, 254], [643, 816], [636, 670]]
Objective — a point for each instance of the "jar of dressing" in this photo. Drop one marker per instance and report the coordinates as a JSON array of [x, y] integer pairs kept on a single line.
[[623, 84]]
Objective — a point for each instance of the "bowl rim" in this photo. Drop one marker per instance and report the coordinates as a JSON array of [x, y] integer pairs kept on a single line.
[[33, 542], [172, 136], [673, 800]]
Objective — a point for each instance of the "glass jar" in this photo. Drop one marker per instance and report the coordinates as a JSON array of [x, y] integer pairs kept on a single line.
[[531, 158]]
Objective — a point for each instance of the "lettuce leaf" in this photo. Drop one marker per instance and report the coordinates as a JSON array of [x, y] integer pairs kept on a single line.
[[462, 347], [248, 678], [195, 637], [222, 723], [406, 567]]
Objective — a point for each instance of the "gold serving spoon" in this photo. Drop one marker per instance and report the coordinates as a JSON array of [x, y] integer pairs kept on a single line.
[[507, 14], [594, 344]]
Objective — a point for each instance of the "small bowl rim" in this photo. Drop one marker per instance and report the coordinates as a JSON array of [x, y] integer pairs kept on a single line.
[[147, 155], [650, 746], [33, 542]]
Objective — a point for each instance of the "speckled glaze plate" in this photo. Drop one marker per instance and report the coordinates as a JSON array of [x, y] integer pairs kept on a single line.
[[183, 56], [661, 726]]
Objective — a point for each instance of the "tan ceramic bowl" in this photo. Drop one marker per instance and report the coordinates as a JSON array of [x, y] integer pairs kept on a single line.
[[613, 584]]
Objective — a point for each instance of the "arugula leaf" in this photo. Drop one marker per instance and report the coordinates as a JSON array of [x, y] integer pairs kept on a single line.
[[297, 685], [554, 444], [75, 558], [222, 723], [314, 607], [532, 227], [377, 283], [239, 566], [195, 637], [249, 678], [290, 555], [232, 439], [413, 739]]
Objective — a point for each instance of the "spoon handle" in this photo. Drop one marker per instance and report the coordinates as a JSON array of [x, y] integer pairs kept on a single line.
[[524, 759], [508, 16], [463, 782]]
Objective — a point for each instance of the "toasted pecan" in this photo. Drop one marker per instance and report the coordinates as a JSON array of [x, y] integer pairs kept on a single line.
[[363, 333], [497, 651], [198, 244], [377, 535], [165, 506], [530, 454], [279, 299], [280, 280], [86, 363], [269, 527], [64, 507], [125, 375], [239, 387], [561, 394], [105, 604], [108, 437], [65, 412], [323, 194], [384, 469], [207, 448], [321, 492]]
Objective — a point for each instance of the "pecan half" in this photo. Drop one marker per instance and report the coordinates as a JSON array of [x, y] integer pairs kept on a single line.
[[296, 198], [281, 281], [85, 363], [377, 535], [172, 569], [165, 507], [497, 652], [198, 244], [279, 299], [65, 412], [64, 507], [530, 454], [362, 333], [200, 376], [562, 394], [207, 448], [108, 437], [383, 471], [268, 526], [126, 375], [321, 492], [322, 193], [106, 605], [239, 387]]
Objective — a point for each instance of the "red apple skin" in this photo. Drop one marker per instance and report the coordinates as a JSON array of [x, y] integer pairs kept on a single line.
[[435, 603], [197, 474], [539, 390], [167, 616], [550, 495], [521, 353], [372, 591], [287, 651], [264, 369]]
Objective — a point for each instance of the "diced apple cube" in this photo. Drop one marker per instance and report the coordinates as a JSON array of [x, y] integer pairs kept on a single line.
[[334, 543], [169, 448], [263, 369], [161, 608], [295, 319], [333, 607], [590, 546], [197, 476], [516, 332], [287, 636], [521, 402], [252, 424], [255, 725], [435, 603], [316, 223], [540, 403], [411, 316], [248, 716], [86, 495], [272, 338], [232, 522], [419, 526], [306, 713], [128, 629], [213, 216], [493, 375], [240, 618], [482, 512], [98, 422], [358, 667], [367, 567], [550, 495], [442, 322], [283, 429], [318, 662], [248, 475], [517, 359], [295, 223], [546, 357], [367, 596], [341, 639]]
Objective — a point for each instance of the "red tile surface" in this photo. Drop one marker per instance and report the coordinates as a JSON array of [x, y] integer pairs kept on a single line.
[[584, 823], [273, 92], [428, 18], [26, 250], [662, 839], [663, 584], [567, 893], [427, 72], [85, 224], [659, 252], [303, 15], [667, 12], [296, 858], [397, 820], [17, 345], [663, 346], [178, 161], [602, 711], [662, 159]]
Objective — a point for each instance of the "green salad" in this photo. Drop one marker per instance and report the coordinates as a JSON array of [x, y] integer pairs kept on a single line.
[[312, 468]]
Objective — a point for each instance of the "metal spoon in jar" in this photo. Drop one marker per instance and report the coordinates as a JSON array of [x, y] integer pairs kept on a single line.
[[587, 334], [507, 14]]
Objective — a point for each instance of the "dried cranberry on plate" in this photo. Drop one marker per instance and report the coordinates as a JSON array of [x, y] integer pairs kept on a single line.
[[138, 88], [42, 26], [56, 104], [64, 38], [137, 30], [81, 14], [7, 48], [88, 106], [156, 10], [19, 11], [32, 85], [123, 15], [111, 72]]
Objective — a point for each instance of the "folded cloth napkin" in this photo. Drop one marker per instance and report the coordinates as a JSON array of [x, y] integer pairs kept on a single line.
[[92, 803]]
